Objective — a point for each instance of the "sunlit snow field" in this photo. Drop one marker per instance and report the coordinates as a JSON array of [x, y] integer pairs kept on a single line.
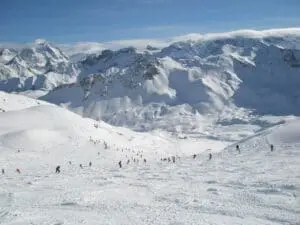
[[256, 186]]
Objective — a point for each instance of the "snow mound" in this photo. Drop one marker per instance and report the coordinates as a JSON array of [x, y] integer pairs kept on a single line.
[[33, 138], [286, 134], [10, 102]]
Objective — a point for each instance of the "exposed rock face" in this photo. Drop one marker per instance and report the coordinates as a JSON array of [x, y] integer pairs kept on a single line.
[[40, 66]]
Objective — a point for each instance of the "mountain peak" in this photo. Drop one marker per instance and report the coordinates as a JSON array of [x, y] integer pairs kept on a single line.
[[40, 41]]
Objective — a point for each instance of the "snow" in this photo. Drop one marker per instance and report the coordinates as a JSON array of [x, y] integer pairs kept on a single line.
[[35, 67], [194, 94], [194, 86], [83, 48], [256, 186]]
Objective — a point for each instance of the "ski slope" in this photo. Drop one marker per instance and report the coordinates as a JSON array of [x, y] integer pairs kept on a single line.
[[256, 186]]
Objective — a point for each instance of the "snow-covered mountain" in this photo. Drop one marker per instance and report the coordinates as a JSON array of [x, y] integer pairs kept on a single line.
[[191, 86], [196, 84], [37, 66]]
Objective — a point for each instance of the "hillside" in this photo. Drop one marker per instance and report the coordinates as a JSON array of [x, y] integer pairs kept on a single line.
[[256, 186]]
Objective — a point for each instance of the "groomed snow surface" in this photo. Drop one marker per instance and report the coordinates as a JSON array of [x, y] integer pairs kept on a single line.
[[256, 186]]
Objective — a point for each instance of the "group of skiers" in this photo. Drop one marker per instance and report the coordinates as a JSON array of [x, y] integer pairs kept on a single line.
[[57, 169], [238, 148], [169, 159]]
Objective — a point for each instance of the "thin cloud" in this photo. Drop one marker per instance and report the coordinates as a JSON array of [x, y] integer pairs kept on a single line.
[[140, 44]]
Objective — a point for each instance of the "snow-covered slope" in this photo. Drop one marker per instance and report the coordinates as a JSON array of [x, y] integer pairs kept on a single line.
[[11, 102], [37, 66], [191, 86], [254, 187]]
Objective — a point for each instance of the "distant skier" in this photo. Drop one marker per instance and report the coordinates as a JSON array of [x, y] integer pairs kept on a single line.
[[105, 145], [238, 148], [194, 156], [272, 147], [57, 170], [80, 165], [18, 170], [120, 164], [90, 164], [210, 156], [145, 160], [70, 162], [128, 161], [3, 171], [173, 159]]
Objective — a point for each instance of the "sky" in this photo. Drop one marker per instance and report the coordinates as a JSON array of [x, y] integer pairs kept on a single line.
[[70, 21]]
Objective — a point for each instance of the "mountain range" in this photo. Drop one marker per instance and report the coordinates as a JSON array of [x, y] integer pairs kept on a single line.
[[192, 85]]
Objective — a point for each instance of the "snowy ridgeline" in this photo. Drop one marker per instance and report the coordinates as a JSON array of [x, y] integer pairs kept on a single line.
[[255, 186], [190, 86], [193, 85]]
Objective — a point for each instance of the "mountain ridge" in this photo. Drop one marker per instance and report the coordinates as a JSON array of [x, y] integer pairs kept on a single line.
[[196, 84]]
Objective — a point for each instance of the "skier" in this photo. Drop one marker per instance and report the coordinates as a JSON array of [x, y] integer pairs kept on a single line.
[[3, 172], [57, 170], [173, 159], [128, 161], [90, 164], [81, 166], [18, 170], [210, 156], [145, 160], [238, 148], [105, 145], [272, 147], [120, 164], [194, 156]]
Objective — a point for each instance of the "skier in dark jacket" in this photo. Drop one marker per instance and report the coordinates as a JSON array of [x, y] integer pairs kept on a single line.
[[272, 147], [3, 171], [120, 164], [238, 148], [210, 156], [57, 170], [90, 164]]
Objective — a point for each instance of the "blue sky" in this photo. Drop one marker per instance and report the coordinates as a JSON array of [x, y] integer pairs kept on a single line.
[[68, 21]]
